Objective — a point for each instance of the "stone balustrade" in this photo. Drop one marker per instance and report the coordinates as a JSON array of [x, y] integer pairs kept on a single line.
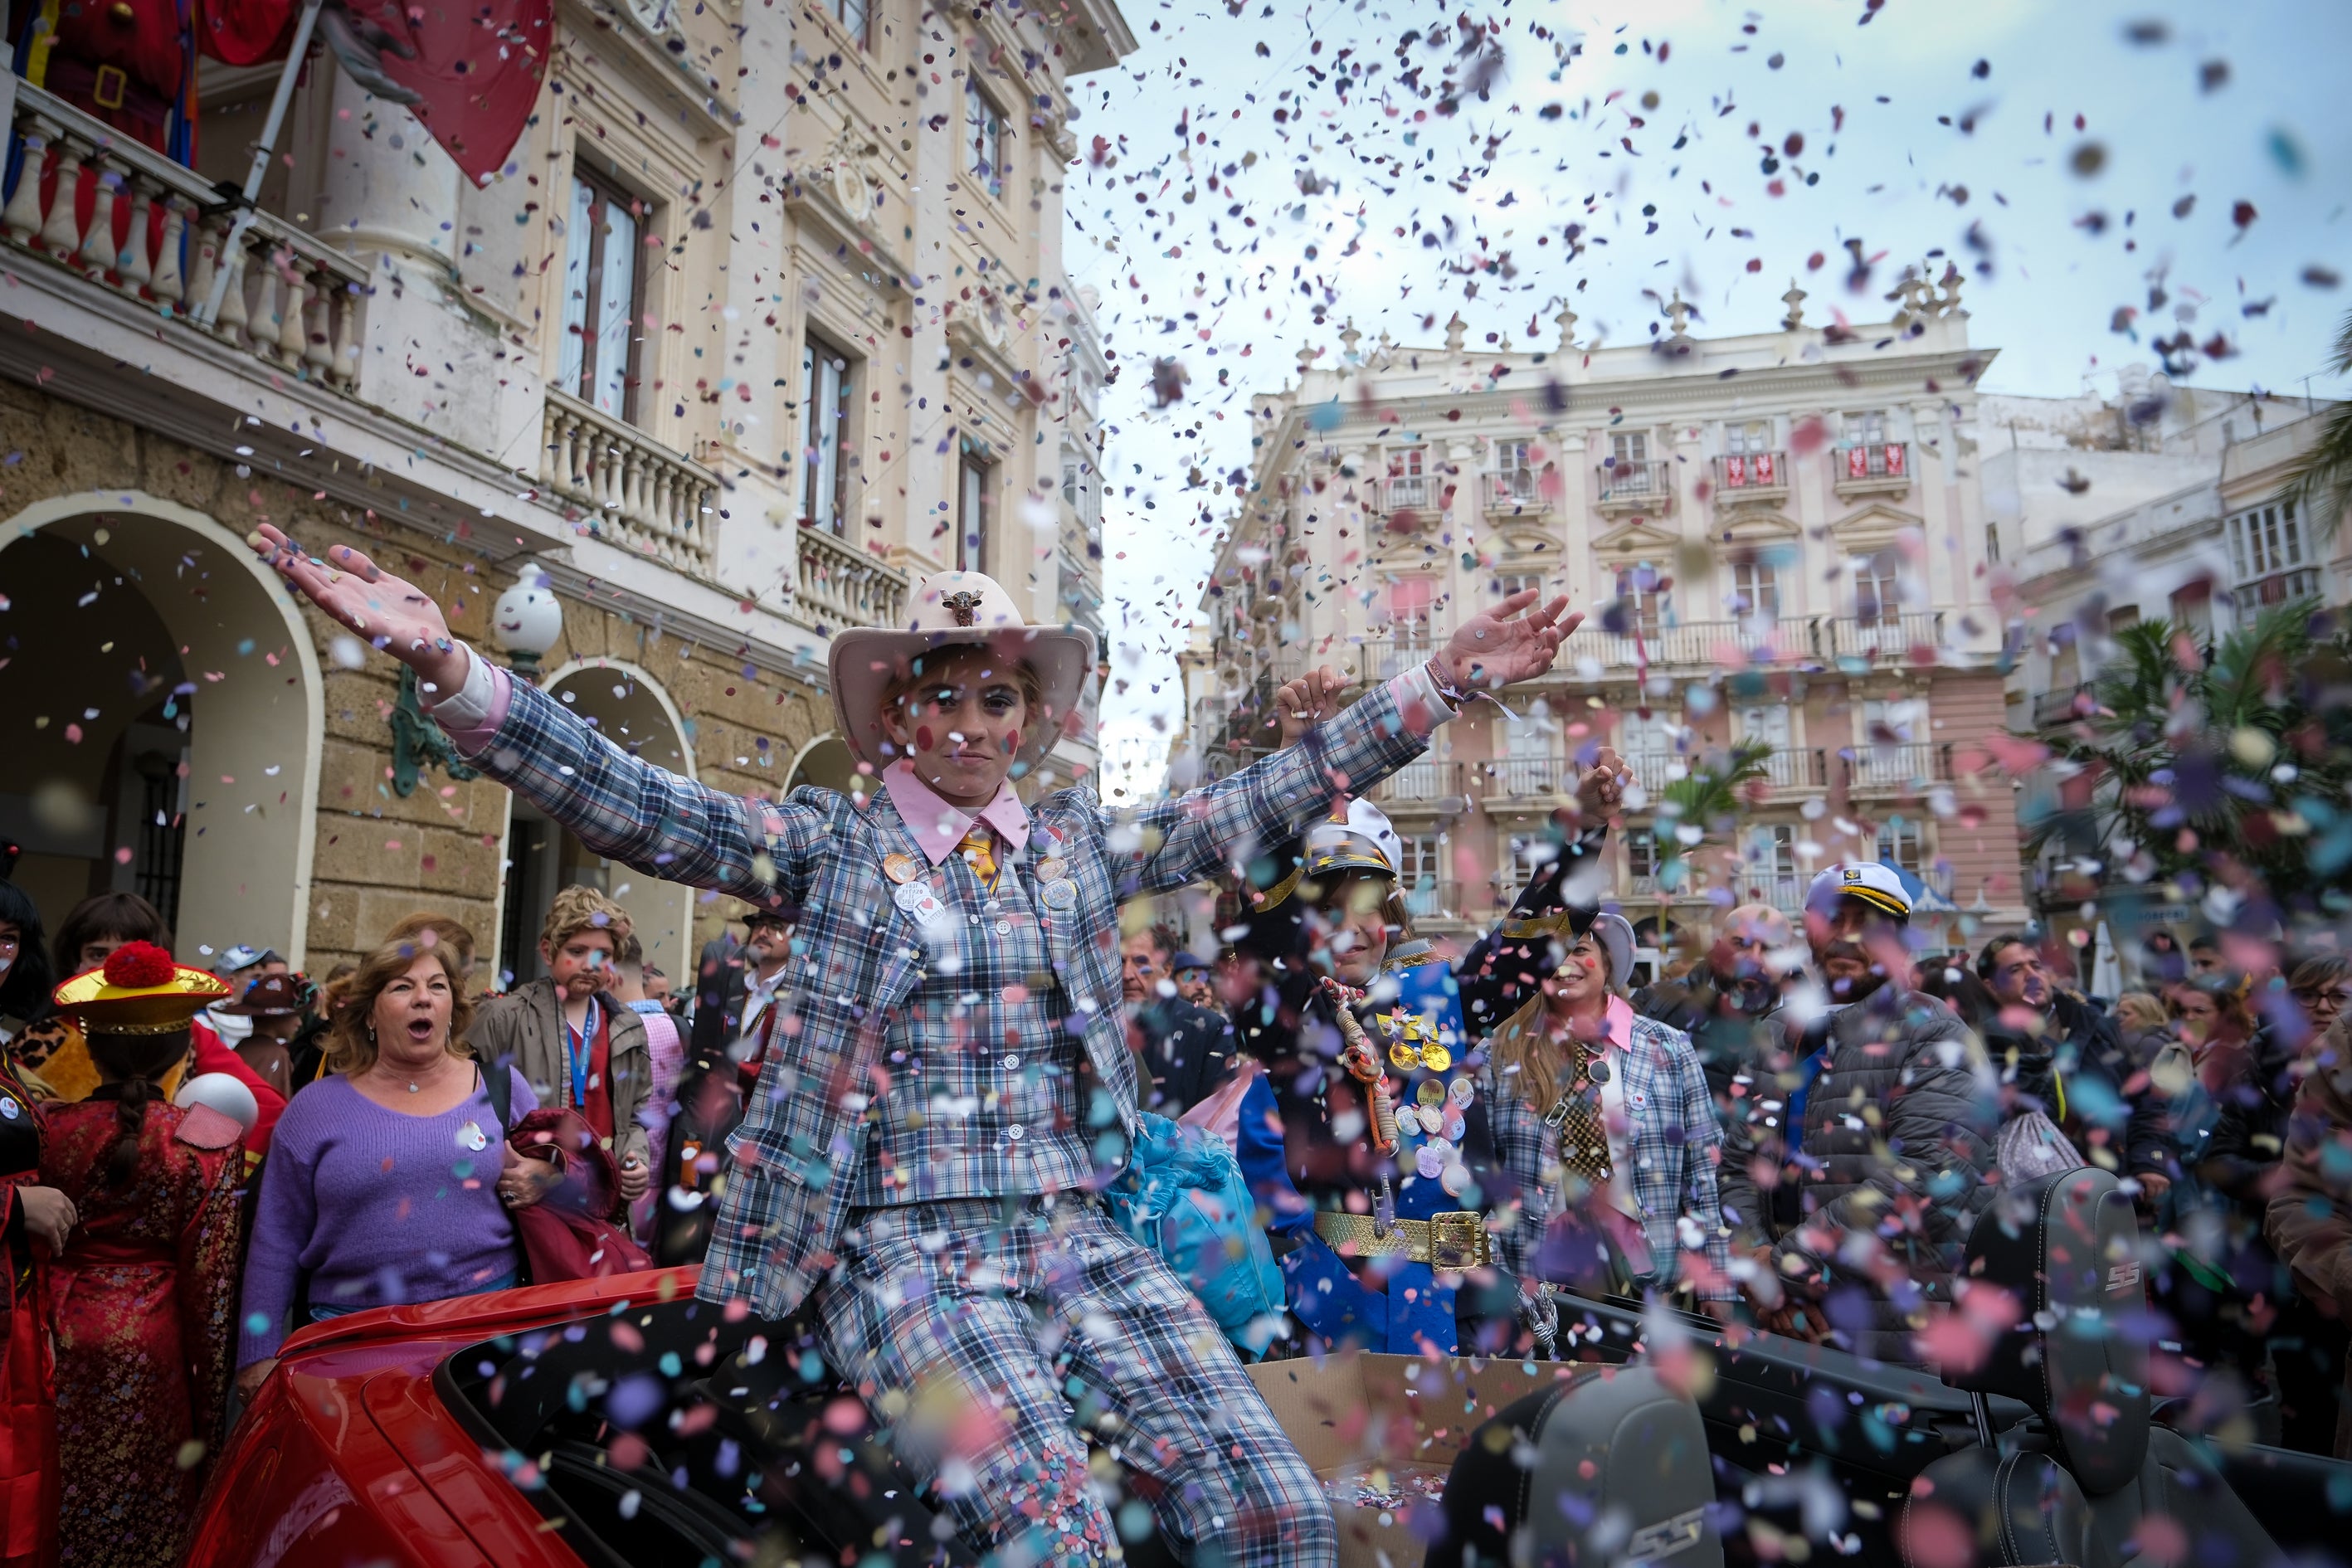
[[630, 488], [133, 222], [840, 585]]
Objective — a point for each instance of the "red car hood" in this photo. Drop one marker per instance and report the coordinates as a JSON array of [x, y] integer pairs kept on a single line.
[[347, 1453]]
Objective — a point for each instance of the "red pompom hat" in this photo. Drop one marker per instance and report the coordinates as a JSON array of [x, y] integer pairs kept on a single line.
[[140, 991]]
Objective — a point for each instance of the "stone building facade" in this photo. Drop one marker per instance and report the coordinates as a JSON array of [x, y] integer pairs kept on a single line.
[[765, 316], [1779, 540]]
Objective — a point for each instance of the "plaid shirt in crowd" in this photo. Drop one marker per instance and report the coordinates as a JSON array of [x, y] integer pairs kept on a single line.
[[1674, 1140], [861, 959]]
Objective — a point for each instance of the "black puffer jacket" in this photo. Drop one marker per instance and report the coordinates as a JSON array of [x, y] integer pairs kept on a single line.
[[1897, 1145]]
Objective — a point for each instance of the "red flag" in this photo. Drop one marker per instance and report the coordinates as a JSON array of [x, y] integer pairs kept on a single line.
[[476, 73]]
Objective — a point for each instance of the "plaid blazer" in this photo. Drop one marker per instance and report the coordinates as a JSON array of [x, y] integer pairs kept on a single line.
[[1674, 1137], [858, 958]]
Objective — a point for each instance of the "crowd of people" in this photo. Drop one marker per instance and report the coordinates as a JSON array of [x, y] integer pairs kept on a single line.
[[202, 1161], [888, 1103]]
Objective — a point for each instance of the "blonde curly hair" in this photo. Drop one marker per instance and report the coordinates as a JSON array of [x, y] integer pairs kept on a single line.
[[577, 908]]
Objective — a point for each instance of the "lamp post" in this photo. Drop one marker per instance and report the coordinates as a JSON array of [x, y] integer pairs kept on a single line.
[[526, 622]]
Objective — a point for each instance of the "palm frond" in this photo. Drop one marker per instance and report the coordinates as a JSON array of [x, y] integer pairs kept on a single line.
[[2320, 485]]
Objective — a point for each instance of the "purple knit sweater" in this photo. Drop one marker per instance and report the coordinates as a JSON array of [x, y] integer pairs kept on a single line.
[[379, 1206]]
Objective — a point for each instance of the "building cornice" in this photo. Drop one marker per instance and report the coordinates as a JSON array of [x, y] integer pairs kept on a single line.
[[773, 644], [1505, 406]]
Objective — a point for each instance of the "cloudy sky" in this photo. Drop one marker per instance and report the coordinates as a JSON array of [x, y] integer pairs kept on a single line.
[[2109, 175]]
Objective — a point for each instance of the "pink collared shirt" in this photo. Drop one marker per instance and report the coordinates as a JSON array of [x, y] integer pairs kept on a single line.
[[938, 826]]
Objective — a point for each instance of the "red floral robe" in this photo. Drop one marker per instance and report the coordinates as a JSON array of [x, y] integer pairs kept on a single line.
[[143, 1301], [29, 1400]]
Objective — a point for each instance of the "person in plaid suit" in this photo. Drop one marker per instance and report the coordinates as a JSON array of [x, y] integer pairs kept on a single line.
[[920, 1158], [1607, 1135]]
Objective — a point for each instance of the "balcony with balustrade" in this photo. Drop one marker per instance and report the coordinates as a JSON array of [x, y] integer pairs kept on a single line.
[[1628, 489], [157, 237], [1908, 768], [628, 487], [1880, 467], [1512, 492], [837, 586], [1909, 634], [1758, 477], [2061, 707], [1520, 784], [1398, 494], [1430, 788], [1436, 904]]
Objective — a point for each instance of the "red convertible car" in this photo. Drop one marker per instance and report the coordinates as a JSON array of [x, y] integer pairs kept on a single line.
[[615, 1421], [621, 1423]]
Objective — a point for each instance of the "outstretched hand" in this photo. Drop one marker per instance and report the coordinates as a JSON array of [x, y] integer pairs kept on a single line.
[[389, 613], [1501, 647], [1299, 705]]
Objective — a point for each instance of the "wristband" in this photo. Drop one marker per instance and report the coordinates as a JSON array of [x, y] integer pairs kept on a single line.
[[1453, 695]]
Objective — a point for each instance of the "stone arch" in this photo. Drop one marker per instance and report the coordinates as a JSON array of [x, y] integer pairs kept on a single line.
[[177, 674], [634, 711], [824, 762]]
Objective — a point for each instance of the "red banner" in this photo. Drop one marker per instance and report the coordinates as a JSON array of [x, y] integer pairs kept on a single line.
[[477, 72]]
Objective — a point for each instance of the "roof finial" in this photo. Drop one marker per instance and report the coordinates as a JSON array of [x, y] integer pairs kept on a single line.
[[1679, 313], [1795, 299], [1457, 333], [1567, 320]]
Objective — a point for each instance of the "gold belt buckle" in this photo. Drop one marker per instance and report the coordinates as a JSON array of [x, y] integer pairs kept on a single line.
[[110, 79], [1458, 1240]]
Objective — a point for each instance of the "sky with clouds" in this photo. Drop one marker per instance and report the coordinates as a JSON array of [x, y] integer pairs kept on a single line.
[[2111, 177]]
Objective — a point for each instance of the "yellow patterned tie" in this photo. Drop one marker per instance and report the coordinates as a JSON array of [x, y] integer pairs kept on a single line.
[[978, 848], [1583, 1137]]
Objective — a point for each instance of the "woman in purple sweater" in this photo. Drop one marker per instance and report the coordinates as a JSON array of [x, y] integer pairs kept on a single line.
[[389, 1179]]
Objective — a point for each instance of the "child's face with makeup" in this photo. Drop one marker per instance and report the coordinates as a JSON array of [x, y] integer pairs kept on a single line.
[[963, 724]]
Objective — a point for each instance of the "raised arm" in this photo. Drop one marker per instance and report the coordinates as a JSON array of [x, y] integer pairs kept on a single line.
[[624, 809], [1194, 835]]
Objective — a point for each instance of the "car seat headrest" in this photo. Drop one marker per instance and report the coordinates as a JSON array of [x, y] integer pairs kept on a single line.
[[2064, 1250]]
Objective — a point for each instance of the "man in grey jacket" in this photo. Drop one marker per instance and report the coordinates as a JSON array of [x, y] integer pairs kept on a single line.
[[1856, 1161]]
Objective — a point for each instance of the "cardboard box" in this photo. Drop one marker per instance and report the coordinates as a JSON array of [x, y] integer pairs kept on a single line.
[[1377, 1427]]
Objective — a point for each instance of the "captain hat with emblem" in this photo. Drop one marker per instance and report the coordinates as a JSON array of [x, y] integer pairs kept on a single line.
[[954, 609], [1866, 881], [139, 990], [1355, 838]]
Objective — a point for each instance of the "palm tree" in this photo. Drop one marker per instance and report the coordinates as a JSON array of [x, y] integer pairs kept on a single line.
[[2321, 485], [1710, 797], [2227, 764]]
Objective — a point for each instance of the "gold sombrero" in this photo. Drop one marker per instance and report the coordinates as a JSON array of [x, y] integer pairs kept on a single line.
[[102, 1007]]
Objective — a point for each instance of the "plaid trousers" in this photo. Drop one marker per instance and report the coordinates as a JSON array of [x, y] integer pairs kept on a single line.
[[989, 1336]]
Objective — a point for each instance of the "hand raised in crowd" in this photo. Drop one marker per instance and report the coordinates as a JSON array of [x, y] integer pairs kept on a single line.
[[1514, 641], [1601, 789], [49, 1216], [391, 613], [1299, 705]]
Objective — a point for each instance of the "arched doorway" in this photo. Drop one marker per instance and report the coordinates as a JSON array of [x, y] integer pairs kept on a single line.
[[630, 709], [824, 762], [160, 710]]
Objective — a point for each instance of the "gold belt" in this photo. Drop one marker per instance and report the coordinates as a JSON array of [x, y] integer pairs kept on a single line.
[[1455, 1241]]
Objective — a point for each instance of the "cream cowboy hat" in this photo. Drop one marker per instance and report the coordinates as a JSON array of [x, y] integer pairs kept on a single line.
[[950, 609]]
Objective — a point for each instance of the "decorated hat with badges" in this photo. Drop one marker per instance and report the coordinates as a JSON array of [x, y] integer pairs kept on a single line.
[[951, 609], [139, 990]]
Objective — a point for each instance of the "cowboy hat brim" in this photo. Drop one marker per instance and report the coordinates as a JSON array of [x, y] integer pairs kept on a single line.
[[865, 660]]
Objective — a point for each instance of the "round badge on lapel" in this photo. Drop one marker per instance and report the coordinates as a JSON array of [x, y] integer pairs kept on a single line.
[[1053, 869], [1430, 1161], [1061, 895], [1598, 1070], [1408, 1120], [471, 1136], [1460, 1092], [899, 868], [9, 1108], [910, 896]]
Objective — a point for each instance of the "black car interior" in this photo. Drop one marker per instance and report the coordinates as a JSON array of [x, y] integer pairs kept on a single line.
[[2043, 1452]]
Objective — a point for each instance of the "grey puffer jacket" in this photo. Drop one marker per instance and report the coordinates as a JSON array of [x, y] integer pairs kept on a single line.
[[1895, 1165]]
